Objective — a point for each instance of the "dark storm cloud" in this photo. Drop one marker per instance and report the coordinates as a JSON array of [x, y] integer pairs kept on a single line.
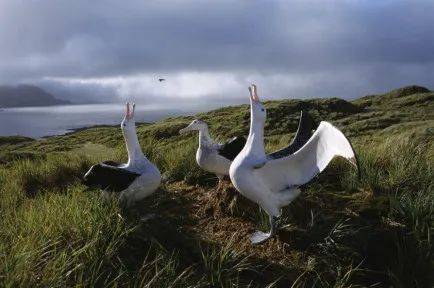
[[311, 48]]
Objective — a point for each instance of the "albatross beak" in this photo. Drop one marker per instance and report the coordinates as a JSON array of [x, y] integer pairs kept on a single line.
[[253, 94], [185, 130], [127, 111], [130, 108]]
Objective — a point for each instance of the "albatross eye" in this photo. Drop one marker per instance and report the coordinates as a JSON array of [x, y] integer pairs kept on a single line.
[[262, 109]]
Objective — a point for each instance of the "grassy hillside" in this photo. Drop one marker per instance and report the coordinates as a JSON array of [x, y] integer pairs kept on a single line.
[[342, 231]]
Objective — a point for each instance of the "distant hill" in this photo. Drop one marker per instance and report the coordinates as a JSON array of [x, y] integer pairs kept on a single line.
[[27, 95]]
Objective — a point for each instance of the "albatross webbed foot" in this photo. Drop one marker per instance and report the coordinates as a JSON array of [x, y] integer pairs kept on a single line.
[[260, 237]]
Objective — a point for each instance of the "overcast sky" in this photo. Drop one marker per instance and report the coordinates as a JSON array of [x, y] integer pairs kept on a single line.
[[211, 50]]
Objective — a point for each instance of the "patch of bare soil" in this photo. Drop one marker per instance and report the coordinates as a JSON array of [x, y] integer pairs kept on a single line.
[[224, 216]]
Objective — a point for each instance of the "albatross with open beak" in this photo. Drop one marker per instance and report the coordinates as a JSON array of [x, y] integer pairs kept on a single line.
[[134, 180], [272, 180]]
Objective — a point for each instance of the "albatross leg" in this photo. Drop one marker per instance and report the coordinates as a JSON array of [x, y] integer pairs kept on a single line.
[[220, 183], [259, 236]]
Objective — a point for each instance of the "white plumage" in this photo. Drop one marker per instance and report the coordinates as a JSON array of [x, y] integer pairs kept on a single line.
[[212, 156], [299, 168], [273, 182], [134, 180]]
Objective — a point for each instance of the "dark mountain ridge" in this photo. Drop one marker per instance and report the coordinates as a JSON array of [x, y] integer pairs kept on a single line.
[[27, 95]]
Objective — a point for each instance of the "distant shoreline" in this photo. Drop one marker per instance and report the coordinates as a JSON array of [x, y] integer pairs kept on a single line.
[[79, 129], [51, 105], [75, 130], [69, 132], [46, 121]]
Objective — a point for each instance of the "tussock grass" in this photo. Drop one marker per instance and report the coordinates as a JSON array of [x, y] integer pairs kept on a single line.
[[223, 265], [58, 233], [54, 232], [399, 165], [61, 240]]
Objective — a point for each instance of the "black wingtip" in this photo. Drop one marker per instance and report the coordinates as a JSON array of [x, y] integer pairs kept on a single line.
[[307, 119], [304, 129]]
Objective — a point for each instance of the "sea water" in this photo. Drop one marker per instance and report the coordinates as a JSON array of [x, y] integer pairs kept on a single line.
[[37, 122]]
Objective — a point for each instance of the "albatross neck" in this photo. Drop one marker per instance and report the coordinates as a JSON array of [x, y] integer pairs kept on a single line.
[[135, 153], [204, 137], [255, 141]]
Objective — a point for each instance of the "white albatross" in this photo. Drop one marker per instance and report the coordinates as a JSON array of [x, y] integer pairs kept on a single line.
[[272, 180], [217, 157], [134, 180], [212, 156]]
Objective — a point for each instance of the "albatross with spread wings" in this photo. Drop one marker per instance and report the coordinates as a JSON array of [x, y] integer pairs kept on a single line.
[[272, 180]]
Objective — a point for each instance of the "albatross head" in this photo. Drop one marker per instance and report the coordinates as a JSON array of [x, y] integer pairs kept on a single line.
[[128, 125], [257, 109], [196, 124]]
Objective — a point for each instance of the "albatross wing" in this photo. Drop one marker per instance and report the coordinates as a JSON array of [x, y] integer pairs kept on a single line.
[[299, 168], [304, 131], [107, 176], [230, 149]]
